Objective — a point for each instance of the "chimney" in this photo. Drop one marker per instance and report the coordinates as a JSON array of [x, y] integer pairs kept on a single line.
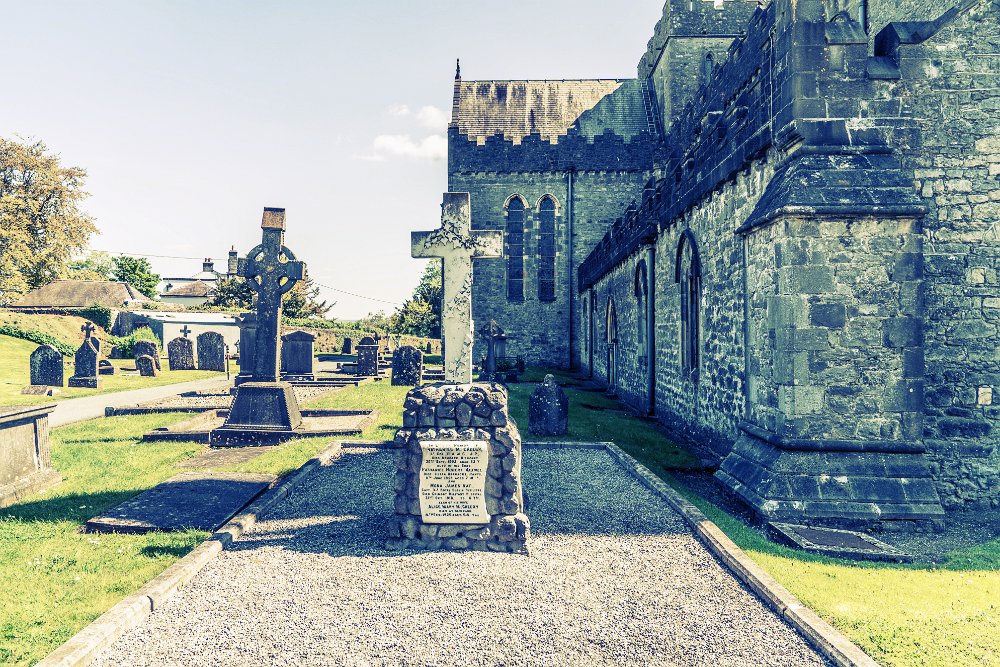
[[233, 261], [208, 265]]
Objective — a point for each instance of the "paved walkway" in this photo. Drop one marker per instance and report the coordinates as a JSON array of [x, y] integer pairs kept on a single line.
[[91, 407], [614, 578]]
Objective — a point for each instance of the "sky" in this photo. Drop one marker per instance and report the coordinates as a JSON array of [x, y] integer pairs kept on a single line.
[[191, 117]]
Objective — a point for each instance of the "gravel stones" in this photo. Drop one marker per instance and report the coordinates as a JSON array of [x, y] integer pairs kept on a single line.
[[614, 578]]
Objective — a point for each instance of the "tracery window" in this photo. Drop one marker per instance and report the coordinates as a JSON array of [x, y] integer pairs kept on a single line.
[[688, 277], [515, 249], [547, 249]]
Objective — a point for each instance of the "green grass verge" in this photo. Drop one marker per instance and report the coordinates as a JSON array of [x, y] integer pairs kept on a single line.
[[15, 375], [56, 580]]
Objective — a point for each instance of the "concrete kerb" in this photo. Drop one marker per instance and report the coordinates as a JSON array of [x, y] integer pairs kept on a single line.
[[826, 639], [83, 647]]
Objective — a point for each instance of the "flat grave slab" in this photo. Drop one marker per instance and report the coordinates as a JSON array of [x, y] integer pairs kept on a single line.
[[199, 500], [315, 423], [225, 456], [837, 543]]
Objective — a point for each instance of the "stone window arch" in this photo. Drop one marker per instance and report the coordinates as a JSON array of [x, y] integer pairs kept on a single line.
[[688, 278], [514, 213], [547, 248], [611, 332], [587, 339], [708, 66], [641, 291]]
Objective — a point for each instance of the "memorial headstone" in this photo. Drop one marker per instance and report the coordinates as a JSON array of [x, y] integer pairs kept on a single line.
[[146, 365], [105, 367], [46, 366], [490, 333], [347, 347], [368, 357], [548, 409], [407, 366], [147, 348], [247, 323], [211, 351], [297, 356], [180, 354], [85, 366], [25, 464]]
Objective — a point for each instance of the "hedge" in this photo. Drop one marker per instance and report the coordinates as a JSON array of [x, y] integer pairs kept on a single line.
[[126, 343], [37, 337]]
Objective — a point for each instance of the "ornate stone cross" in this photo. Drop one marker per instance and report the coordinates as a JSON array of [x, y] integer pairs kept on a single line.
[[457, 245], [270, 270], [186, 330], [87, 330]]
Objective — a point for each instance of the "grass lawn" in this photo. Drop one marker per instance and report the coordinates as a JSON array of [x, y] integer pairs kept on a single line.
[[15, 374]]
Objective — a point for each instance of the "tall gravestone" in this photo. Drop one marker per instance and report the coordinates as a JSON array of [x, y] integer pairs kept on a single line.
[[247, 323], [25, 464], [407, 366], [297, 356], [458, 477], [347, 347], [548, 409], [211, 351], [265, 409], [46, 366], [490, 335], [147, 348], [85, 367], [367, 357], [180, 352]]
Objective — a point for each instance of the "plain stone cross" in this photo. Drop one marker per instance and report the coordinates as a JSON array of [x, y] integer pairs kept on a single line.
[[271, 270], [186, 330], [87, 330], [457, 245]]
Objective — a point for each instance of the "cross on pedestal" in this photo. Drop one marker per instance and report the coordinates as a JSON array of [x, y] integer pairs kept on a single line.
[[457, 245], [270, 270], [87, 330], [185, 331]]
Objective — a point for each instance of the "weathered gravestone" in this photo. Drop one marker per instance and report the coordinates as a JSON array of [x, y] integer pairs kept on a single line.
[[25, 465], [211, 351], [490, 334], [146, 365], [85, 366], [548, 409], [368, 357], [105, 367], [147, 348], [407, 366], [46, 366], [297, 356], [347, 347], [458, 478], [180, 353], [247, 323], [265, 410]]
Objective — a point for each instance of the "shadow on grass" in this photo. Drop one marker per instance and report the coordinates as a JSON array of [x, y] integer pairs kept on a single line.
[[161, 550], [74, 507]]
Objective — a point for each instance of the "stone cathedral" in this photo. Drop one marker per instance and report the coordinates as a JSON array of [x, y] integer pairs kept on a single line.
[[780, 239]]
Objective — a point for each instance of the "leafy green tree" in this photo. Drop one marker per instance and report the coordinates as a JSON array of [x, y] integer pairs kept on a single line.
[[420, 315], [375, 322], [42, 224], [94, 266], [303, 302], [137, 272], [233, 293]]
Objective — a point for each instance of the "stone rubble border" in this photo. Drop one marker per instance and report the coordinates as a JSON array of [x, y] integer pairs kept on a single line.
[[81, 649]]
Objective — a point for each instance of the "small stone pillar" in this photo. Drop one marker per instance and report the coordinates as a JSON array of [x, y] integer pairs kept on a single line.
[[347, 346], [247, 323], [458, 476]]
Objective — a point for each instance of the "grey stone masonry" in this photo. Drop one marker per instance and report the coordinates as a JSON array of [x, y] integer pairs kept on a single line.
[[453, 413], [146, 365], [85, 366], [180, 354], [25, 464], [368, 357], [548, 409], [147, 348], [211, 351], [407, 366], [46, 366]]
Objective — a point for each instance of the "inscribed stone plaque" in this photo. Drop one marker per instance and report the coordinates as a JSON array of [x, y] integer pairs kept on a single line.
[[180, 352], [453, 481], [211, 351]]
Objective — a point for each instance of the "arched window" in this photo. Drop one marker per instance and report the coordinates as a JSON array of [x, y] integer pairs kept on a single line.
[[611, 324], [585, 307], [688, 277], [547, 249], [515, 249], [707, 67], [641, 288]]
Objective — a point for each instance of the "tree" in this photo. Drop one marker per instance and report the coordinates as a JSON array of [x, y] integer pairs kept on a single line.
[[420, 315], [303, 302], [375, 322], [233, 293], [41, 223], [137, 272], [94, 266]]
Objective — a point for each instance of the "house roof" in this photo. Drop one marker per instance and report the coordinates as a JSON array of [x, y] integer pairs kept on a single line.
[[516, 109], [80, 294], [195, 289]]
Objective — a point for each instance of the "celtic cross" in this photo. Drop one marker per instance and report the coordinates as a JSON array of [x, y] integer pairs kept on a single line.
[[270, 270], [87, 330], [186, 330], [457, 245]]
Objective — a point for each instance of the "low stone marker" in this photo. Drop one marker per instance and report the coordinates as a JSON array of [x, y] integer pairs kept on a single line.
[[368, 357], [146, 365], [297, 356], [407, 366], [85, 366], [211, 351], [148, 348], [548, 409], [25, 465], [247, 323], [347, 347], [105, 367], [180, 354], [458, 477], [46, 364]]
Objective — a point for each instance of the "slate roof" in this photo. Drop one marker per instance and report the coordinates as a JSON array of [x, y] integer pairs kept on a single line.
[[195, 289], [80, 294], [589, 107]]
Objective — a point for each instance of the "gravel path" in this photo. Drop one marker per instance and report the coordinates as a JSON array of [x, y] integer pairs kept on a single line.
[[614, 578]]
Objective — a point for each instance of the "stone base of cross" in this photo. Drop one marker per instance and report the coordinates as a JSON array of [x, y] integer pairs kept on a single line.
[[457, 245]]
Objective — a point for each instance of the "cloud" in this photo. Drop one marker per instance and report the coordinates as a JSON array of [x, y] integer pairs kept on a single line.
[[432, 118], [433, 147], [398, 110]]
